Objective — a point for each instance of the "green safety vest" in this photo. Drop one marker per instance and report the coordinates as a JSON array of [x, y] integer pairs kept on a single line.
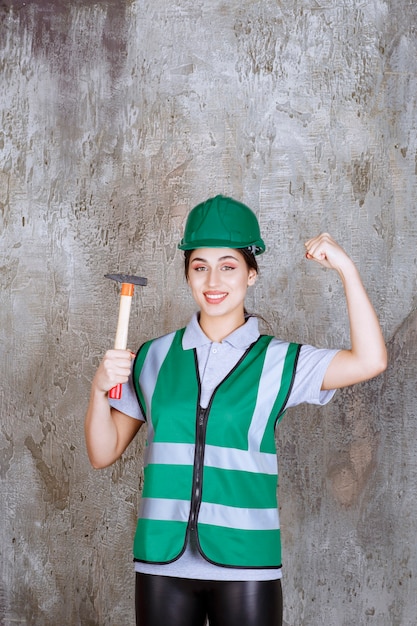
[[212, 470]]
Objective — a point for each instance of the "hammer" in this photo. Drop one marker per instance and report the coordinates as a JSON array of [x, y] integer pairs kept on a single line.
[[120, 343]]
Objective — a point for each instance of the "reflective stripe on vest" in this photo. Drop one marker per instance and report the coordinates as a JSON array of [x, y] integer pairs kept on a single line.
[[215, 468]]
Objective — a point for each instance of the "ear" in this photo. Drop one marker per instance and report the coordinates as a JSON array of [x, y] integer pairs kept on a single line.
[[252, 276]]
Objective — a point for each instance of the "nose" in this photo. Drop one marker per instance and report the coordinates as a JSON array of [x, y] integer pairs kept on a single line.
[[213, 277]]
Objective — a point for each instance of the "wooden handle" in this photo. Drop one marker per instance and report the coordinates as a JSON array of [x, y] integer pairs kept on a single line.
[[120, 343]]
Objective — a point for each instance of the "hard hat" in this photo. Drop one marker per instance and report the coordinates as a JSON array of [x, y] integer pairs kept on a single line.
[[222, 222]]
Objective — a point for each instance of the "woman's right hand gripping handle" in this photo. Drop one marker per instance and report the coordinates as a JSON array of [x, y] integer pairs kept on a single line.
[[108, 432]]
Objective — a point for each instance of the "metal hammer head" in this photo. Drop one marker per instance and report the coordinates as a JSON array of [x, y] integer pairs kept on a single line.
[[125, 278]]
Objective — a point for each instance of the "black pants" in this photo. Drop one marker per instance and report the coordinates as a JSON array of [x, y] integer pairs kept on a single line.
[[165, 600]]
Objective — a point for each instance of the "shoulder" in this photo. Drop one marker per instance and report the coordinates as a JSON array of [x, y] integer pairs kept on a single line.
[[312, 365], [158, 346], [310, 356], [163, 339], [274, 343], [277, 352]]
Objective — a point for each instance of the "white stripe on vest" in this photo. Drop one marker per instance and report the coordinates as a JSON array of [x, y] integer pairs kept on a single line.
[[214, 456], [149, 374], [166, 509], [271, 373]]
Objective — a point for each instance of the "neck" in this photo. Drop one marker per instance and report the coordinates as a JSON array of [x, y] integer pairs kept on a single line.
[[217, 328]]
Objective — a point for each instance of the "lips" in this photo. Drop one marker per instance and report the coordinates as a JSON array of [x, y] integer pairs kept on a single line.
[[215, 297]]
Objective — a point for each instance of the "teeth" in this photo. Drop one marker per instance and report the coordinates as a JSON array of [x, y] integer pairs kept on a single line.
[[216, 296]]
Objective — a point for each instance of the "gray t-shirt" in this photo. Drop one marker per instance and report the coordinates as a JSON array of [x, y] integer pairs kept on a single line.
[[215, 360]]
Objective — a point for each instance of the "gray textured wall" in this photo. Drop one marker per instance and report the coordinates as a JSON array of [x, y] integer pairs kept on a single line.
[[116, 118]]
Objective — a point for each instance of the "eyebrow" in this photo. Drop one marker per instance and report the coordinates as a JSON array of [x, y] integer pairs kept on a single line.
[[222, 258]]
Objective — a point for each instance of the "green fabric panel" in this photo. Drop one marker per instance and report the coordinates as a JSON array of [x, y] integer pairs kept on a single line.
[[168, 481], [240, 489], [229, 421], [268, 440], [158, 541], [173, 399], [245, 548]]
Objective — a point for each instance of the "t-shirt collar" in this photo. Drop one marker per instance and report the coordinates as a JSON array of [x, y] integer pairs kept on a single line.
[[242, 337]]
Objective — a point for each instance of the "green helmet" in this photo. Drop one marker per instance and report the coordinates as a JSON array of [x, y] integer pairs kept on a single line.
[[222, 222]]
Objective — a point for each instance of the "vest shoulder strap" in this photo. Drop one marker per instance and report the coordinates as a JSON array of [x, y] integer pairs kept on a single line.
[[141, 356]]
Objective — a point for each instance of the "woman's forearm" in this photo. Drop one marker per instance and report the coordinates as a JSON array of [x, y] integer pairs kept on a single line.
[[100, 430], [367, 356]]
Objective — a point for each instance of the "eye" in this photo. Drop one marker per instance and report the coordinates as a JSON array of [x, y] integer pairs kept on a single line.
[[227, 268], [199, 268]]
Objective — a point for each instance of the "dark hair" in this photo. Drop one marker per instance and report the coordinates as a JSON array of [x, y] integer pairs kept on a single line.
[[247, 254]]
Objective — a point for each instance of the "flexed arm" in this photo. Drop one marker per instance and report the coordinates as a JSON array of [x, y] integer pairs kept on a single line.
[[367, 356]]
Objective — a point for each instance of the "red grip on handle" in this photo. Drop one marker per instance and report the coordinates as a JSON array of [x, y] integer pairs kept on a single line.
[[116, 392]]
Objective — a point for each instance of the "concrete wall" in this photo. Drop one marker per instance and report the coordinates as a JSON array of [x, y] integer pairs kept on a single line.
[[116, 118]]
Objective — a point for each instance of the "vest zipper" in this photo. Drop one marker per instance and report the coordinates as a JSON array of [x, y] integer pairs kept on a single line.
[[200, 443], [198, 465]]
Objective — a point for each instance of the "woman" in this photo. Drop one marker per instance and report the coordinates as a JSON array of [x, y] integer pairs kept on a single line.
[[207, 543]]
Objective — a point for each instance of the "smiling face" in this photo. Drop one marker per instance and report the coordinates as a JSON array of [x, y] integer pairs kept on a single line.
[[219, 278]]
